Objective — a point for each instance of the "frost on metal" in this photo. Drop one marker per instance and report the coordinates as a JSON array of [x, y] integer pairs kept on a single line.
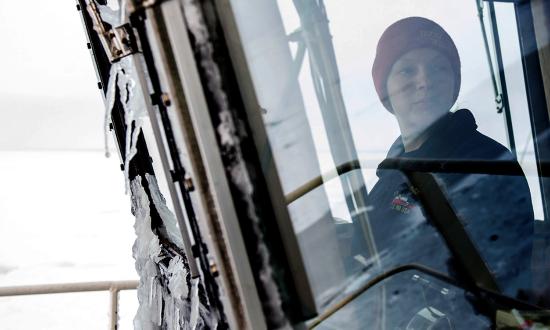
[[167, 216], [123, 78], [168, 296], [146, 252], [113, 17], [230, 143]]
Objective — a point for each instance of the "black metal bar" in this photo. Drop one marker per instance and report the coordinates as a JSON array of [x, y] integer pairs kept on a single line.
[[99, 56], [502, 76], [488, 50], [492, 167], [211, 286], [536, 98], [441, 214], [506, 1]]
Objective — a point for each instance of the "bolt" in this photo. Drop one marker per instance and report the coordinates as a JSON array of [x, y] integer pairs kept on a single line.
[[165, 99], [214, 270], [188, 183]]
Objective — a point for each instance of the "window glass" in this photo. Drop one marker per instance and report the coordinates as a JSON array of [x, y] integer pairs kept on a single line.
[[416, 301], [511, 57], [429, 96]]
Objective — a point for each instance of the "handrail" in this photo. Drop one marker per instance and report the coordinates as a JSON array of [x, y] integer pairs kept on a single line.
[[464, 166], [112, 286], [318, 181]]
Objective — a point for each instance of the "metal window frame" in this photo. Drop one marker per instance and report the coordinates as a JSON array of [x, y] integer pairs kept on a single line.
[[536, 97], [141, 163], [533, 80], [251, 104], [192, 125], [215, 201]]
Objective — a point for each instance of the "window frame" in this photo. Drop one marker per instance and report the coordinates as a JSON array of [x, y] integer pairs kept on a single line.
[[537, 94], [532, 72]]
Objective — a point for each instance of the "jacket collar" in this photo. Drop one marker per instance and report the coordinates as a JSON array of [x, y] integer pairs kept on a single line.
[[443, 136]]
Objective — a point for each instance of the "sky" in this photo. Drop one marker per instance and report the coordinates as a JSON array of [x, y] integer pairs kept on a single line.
[[355, 29], [64, 215], [47, 75]]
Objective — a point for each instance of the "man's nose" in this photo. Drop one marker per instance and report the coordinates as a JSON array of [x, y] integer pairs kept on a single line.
[[422, 78]]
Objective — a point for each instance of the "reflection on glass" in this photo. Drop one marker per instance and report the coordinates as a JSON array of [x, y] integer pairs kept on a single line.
[[412, 300], [409, 85]]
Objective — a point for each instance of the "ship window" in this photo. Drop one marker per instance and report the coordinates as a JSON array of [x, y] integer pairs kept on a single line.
[[356, 99]]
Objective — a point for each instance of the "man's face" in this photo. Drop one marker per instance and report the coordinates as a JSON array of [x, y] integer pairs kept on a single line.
[[421, 87]]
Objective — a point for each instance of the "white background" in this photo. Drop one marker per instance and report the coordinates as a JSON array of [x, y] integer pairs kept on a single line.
[[64, 216]]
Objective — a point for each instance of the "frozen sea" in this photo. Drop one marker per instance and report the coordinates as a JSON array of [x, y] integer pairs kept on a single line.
[[64, 217]]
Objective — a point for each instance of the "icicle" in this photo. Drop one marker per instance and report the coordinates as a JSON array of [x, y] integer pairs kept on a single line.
[[151, 286], [180, 300], [110, 103], [123, 6], [157, 310], [132, 99], [194, 303], [146, 251], [168, 218], [177, 281], [176, 317]]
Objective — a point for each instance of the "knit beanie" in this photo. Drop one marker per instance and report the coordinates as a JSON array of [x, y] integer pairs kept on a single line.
[[403, 36]]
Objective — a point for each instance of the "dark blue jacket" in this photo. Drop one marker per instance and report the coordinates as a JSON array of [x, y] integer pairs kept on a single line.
[[495, 210]]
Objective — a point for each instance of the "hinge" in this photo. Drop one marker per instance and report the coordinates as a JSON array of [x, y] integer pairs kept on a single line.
[[118, 41]]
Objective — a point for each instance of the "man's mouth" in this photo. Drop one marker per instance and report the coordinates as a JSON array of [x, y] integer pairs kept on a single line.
[[421, 103]]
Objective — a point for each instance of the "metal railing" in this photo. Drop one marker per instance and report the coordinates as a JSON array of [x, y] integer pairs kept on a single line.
[[112, 286]]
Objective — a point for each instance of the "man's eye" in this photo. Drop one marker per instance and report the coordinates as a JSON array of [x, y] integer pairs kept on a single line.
[[406, 71], [440, 68]]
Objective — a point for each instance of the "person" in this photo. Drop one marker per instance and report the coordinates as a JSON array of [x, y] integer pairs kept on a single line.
[[417, 75]]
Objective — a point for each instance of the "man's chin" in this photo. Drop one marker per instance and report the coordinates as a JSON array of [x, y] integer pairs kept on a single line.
[[421, 123]]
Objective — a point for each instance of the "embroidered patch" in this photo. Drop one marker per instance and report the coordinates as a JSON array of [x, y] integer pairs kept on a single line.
[[401, 203]]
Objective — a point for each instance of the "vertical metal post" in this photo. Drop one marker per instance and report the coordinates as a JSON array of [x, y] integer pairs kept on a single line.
[[496, 89], [326, 79], [178, 209], [504, 89], [114, 308], [536, 98]]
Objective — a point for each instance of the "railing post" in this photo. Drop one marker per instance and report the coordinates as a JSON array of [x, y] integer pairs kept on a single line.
[[114, 308]]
